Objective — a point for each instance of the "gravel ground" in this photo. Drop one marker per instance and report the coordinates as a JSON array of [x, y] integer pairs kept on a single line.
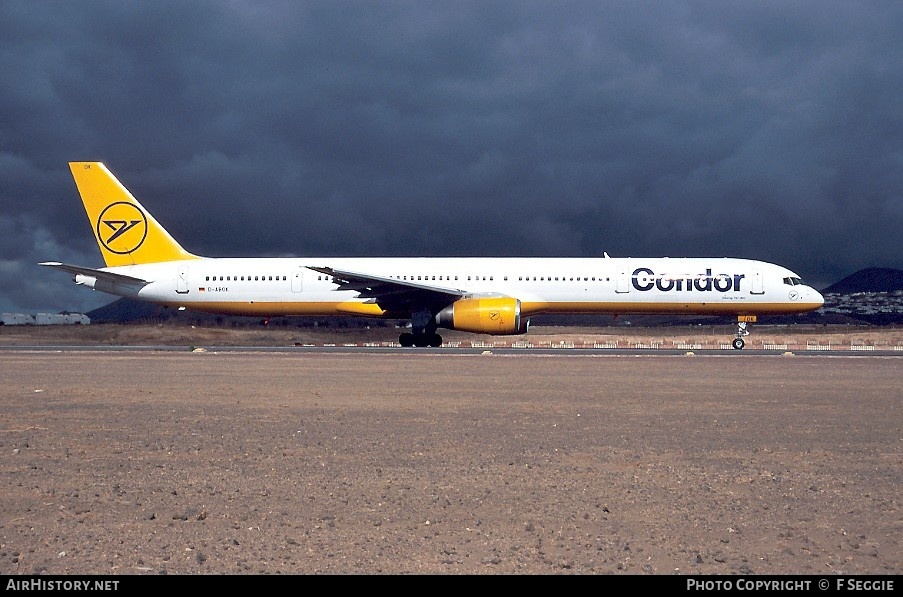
[[252, 463]]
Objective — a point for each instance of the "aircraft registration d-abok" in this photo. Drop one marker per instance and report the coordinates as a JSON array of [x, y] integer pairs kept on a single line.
[[473, 294]]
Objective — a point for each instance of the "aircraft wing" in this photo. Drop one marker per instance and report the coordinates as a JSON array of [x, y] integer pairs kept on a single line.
[[392, 294], [95, 273]]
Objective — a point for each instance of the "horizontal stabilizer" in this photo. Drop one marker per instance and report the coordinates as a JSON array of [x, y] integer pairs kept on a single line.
[[96, 273]]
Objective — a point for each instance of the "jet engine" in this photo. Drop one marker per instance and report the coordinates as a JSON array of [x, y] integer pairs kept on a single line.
[[495, 315]]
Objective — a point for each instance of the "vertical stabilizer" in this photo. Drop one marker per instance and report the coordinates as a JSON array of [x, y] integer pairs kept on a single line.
[[125, 232]]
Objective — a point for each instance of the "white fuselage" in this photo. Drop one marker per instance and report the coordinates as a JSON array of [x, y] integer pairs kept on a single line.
[[285, 286]]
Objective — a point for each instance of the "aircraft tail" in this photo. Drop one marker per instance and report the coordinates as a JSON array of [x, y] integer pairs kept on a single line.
[[125, 232]]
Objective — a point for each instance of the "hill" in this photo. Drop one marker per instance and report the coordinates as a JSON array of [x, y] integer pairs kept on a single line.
[[872, 279], [126, 311]]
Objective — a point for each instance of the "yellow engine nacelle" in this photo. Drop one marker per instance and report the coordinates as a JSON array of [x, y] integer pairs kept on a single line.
[[496, 315]]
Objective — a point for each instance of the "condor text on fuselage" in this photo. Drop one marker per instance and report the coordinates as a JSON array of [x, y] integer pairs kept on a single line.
[[644, 279]]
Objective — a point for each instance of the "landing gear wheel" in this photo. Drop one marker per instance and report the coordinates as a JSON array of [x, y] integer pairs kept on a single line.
[[420, 340], [742, 330]]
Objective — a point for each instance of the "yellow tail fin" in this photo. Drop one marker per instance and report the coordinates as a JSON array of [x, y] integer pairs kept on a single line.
[[125, 232]]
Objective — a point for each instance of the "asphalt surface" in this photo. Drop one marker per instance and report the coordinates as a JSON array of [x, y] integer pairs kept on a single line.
[[459, 351]]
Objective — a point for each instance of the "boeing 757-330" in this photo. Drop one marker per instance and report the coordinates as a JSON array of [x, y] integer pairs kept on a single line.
[[488, 295]]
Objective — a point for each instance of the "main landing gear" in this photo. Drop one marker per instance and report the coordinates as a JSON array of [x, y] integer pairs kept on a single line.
[[423, 331]]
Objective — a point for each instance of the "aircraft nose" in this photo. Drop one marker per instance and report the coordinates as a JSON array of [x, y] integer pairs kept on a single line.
[[818, 298]]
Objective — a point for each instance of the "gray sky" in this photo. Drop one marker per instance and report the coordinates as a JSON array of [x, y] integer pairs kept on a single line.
[[769, 130]]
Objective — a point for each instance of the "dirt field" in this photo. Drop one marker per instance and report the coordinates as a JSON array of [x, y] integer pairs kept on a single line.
[[253, 463]]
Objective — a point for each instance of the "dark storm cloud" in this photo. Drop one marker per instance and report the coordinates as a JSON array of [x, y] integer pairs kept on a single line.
[[768, 130]]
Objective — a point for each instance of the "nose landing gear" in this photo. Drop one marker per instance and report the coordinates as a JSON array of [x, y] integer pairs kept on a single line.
[[738, 342], [743, 322]]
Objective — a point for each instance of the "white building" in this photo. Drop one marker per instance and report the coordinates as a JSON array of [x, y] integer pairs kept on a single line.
[[44, 319]]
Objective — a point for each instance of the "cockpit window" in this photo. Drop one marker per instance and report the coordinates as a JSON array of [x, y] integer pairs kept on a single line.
[[791, 281]]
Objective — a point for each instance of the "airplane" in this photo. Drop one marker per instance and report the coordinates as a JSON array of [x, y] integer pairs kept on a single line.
[[489, 295]]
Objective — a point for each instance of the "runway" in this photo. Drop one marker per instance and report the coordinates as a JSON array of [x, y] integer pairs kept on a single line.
[[869, 351]]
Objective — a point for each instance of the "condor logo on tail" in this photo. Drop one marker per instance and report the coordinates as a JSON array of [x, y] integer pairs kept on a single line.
[[121, 227]]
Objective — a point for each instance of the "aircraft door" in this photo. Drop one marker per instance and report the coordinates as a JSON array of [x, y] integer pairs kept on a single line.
[[182, 280], [297, 278], [623, 283], [757, 285]]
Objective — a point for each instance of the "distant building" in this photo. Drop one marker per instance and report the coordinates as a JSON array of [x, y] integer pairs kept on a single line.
[[16, 319], [44, 319]]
